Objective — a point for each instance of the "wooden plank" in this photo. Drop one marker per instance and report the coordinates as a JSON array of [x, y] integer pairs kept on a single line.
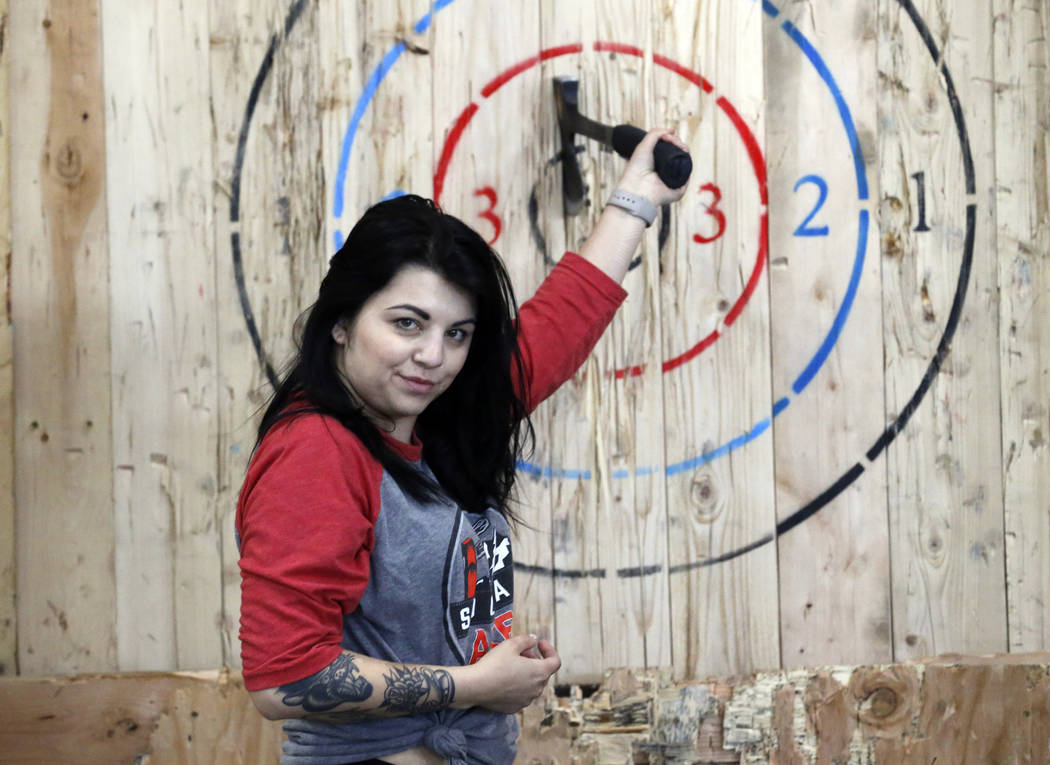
[[60, 305], [834, 566], [169, 598], [386, 135], [148, 719], [945, 469], [716, 336], [571, 433], [629, 419], [8, 646], [1021, 141], [487, 175], [270, 236], [960, 709]]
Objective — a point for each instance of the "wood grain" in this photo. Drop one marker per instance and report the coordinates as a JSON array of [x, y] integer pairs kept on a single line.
[[270, 237], [834, 603], [723, 600], [60, 307], [8, 647], [161, 177], [135, 719], [178, 183], [1022, 137], [629, 416], [945, 478], [575, 502]]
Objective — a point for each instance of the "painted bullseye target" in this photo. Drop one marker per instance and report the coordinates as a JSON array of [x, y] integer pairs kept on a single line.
[[814, 360]]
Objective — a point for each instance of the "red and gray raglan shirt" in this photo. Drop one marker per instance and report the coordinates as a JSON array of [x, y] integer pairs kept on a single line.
[[334, 555]]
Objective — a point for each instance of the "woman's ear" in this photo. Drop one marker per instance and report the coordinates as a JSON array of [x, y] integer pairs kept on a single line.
[[339, 332]]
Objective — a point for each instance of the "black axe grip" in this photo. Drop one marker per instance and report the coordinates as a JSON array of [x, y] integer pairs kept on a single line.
[[672, 164]]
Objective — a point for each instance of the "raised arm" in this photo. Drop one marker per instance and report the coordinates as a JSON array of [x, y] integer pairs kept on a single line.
[[355, 686], [561, 323], [616, 235]]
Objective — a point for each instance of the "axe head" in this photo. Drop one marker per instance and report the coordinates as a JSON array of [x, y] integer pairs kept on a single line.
[[567, 107]]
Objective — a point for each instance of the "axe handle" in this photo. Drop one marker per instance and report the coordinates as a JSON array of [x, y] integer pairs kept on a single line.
[[672, 164]]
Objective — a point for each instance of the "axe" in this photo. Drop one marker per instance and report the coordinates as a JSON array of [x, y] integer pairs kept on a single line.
[[671, 163]]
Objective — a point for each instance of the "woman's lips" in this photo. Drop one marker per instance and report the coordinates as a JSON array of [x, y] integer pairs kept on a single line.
[[418, 384]]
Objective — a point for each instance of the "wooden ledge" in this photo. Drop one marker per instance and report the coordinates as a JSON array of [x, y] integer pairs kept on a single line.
[[963, 710]]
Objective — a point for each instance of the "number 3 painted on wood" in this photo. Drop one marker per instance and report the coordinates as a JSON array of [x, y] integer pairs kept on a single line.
[[714, 212], [490, 194]]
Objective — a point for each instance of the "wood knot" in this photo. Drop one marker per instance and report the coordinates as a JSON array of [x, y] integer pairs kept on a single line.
[[882, 702], [885, 698], [703, 496], [69, 164]]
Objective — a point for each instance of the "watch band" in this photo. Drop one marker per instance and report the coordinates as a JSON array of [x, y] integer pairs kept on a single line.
[[635, 204]]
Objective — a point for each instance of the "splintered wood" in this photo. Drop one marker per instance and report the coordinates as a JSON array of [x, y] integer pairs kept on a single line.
[[958, 710]]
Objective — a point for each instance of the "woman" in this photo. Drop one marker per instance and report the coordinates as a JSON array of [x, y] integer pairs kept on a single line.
[[377, 592]]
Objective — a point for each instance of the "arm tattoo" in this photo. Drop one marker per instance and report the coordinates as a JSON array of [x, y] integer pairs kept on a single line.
[[417, 690], [337, 683]]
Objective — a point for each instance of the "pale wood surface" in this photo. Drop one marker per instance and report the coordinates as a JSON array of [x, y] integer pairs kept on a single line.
[[137, 380], [60, 306], [578, 605], [160, 167], [8, 648], [1023, 216], [632, 518], [239, 36], [720, 499], [833, 568], [945, 487], [278, 222]]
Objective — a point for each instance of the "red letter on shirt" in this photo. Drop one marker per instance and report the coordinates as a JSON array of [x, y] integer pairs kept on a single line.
[[503, 623], [481, 646]]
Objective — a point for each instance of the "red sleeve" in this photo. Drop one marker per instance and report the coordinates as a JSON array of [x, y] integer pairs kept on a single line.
[[560, 325], [305, 521]]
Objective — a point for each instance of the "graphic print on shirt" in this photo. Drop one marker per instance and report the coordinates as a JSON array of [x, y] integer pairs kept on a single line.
[[479, 587]]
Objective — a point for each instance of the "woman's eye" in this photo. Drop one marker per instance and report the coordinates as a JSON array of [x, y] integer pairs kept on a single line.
[[406, 323], [459, 334]]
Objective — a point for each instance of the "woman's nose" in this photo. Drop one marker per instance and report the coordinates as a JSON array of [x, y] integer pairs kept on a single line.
[[431, 350]]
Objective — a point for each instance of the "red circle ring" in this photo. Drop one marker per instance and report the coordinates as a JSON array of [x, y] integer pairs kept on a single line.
[[753, 150]]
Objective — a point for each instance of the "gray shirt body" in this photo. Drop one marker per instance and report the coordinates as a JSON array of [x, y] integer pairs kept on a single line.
[[459, 565]]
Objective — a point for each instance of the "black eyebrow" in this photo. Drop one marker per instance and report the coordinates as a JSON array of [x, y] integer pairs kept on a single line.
[[407, 307], [426, 316]]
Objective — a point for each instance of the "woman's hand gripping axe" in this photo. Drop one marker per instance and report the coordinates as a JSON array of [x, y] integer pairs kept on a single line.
[[672, 164]]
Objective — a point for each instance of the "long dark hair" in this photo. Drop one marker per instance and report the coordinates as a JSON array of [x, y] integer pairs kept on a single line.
[[474, 432]]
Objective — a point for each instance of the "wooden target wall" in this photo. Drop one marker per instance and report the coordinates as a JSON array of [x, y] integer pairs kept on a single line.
[[816, 433]]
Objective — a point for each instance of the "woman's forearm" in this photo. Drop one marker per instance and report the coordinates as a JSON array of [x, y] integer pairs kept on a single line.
[[354, 686], [358, 686]]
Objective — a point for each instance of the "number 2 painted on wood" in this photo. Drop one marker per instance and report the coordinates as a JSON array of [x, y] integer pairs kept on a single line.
[[805, 229]]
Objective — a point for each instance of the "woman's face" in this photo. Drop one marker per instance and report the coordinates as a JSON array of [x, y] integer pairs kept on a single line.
[[405, 347]]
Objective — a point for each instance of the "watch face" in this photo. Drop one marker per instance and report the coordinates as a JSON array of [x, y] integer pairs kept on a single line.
[[714, 481]]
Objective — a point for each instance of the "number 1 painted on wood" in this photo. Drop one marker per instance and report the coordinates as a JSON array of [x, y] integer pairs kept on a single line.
[[920, 182]]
